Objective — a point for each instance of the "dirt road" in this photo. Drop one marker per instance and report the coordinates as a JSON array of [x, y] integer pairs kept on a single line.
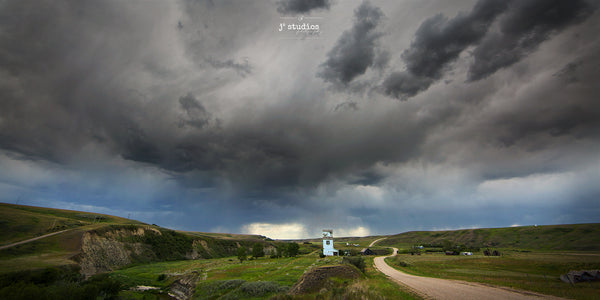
[[31, 240], [435, 288]]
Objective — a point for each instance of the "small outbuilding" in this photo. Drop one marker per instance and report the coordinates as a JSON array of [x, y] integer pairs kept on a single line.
[[367, 251]]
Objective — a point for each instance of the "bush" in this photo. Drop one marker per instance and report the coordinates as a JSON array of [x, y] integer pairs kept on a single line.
[[161, 277], [356, 261], [402, 263], [258, 250], [242, 253]]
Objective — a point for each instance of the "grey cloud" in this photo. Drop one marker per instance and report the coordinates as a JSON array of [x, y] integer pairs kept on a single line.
[[197, 116], [349, 105], [438, 42], [241, 69], [525, 25], [402, 85], [569, 72], [354, 51], [301, 6]]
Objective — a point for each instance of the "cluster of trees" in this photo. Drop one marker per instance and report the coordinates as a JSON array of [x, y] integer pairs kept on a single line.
[[281, 250]]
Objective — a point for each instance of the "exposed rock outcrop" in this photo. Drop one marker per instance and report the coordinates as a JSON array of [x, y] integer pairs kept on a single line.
[[184, 287], [107, 251]]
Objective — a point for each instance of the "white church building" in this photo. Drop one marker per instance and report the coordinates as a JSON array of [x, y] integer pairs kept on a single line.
[[328, 249]]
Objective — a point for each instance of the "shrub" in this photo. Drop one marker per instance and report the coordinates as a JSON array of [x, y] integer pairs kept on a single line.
[[356, 261]]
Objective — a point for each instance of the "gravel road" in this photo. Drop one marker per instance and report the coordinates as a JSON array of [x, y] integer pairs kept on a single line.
[[435, 288]]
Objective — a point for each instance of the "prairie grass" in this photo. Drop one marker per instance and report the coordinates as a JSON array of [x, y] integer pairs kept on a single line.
[[533, 271]]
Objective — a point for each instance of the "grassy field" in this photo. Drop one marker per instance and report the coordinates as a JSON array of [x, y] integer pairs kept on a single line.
[[226, 277], [533, 271]]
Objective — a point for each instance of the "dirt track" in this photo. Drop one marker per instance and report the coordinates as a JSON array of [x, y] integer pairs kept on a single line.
[[435, 288], [31, 240]]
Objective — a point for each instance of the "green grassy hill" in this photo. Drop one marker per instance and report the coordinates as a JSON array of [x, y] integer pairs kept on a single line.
[[577, 237], [98, 243], [21, 222]]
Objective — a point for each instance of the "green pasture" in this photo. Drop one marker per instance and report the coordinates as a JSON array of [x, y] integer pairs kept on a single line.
[[533, 271]]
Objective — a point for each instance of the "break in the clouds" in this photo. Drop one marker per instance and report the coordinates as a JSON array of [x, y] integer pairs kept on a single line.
[[439, 41], [199, 115], [301, 6]]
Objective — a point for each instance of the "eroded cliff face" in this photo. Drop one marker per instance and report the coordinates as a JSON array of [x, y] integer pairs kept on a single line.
[[107, 252], [184, 287]]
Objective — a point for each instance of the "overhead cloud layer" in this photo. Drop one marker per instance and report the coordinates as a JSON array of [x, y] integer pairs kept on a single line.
[[189, 115]]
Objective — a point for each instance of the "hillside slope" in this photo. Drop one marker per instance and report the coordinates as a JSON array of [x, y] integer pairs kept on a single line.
[[579, 237], [98, 243]]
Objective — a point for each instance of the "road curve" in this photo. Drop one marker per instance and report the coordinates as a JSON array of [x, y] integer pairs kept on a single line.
[[31, 240], [435, 288]]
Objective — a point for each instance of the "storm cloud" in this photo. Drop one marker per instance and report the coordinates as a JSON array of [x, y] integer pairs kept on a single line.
[[354, 51], [520, 31], [301, 6], [190, 115], [439, 41]]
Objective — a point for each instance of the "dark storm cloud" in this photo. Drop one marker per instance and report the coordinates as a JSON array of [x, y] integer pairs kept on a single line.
[[439, 41], [301, 6], [522, 28], [355, 50]]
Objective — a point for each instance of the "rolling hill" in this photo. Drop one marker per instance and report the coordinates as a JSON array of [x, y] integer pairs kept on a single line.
[[576, 237], [96, 243]]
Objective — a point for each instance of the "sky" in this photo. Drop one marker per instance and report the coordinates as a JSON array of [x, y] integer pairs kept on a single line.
[[285, 117]]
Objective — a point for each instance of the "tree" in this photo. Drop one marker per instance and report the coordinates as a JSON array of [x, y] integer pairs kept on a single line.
[[258, 250], [292, 249], [241, 253]]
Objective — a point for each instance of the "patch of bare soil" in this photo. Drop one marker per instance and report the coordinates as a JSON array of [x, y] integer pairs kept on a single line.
[[318, 278]]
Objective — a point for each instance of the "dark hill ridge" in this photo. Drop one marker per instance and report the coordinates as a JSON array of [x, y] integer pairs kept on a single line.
[[575, 237]]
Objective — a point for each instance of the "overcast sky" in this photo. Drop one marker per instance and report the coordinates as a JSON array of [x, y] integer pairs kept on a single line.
[[379, 117]]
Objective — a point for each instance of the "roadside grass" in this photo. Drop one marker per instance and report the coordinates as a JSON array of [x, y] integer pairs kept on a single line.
[[383, 286], [534, 271]]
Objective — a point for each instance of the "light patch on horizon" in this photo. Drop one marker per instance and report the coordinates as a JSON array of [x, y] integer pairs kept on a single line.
[[286, 231], [352, 232]]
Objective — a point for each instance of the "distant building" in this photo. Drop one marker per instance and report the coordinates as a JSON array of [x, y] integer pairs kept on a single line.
[[367, 251], [328, 249]]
